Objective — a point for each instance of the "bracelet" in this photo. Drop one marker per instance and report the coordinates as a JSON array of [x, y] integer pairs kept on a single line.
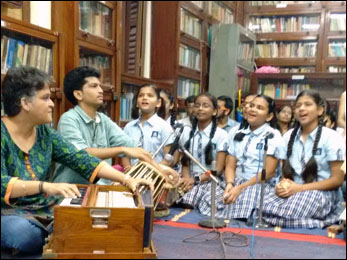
[[41, 187]]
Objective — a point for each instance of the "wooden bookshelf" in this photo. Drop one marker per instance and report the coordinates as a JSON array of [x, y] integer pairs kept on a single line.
[[316, 14], [284, 87], [180, 42], [93, 34], [42, 48]]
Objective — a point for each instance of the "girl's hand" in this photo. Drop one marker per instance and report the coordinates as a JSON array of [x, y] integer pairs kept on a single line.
[[67, 190], [287, 188], [186, 184], [231, 194]]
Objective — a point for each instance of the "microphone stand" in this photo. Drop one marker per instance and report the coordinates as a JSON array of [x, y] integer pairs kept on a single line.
[[260, 223], [212, 222]]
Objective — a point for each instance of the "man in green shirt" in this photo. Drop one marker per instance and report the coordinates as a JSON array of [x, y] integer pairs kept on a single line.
[[90, 130]]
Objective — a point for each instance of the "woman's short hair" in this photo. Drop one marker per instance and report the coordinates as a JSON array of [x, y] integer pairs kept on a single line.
[[22, 82]]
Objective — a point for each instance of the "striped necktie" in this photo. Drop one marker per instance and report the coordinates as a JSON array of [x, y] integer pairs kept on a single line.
[[200, 147], [302, 160]]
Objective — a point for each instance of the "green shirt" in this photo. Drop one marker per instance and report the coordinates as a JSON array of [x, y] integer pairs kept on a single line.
[[84, 132], [49, 146]]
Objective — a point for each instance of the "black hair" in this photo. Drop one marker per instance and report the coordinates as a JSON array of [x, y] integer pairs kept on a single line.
[[75, 79], [189, 99], [290, 124], [228, 103], [135, 110], [22, 82], [271, 104], [173, 111], [309, 174], [209, 147]]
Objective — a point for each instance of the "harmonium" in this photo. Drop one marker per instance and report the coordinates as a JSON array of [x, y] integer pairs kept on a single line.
[[106, 222]]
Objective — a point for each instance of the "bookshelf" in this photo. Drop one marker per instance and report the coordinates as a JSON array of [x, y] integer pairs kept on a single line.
[[232, 60], [334, 51], [25, 44], [181, 42], [93, 34], [284, 87], [299, 36]]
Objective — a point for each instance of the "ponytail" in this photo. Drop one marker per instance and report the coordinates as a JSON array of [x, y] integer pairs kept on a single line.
[[209, 147]]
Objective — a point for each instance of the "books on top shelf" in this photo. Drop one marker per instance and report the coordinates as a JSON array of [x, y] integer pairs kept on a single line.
[[282, 90], [95, 18], [338, 22], [16, 53], [262, 3], [284, 24], [286, 50], [190, 24], [220, 12]]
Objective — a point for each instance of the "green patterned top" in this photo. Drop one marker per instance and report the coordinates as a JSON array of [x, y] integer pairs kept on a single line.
[[49, 146]]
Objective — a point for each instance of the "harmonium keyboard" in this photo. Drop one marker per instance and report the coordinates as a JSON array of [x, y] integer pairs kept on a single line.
[[106, 222]]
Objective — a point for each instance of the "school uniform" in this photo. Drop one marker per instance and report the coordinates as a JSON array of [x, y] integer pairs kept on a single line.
[[231, 123], [185, 121], [150, 135], [249, 154], [197, 149], [314, 208]]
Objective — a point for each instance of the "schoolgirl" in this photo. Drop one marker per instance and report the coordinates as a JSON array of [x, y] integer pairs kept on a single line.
[[148, 128], [245, 160], [206, 142], [308, 195], [170, 107]]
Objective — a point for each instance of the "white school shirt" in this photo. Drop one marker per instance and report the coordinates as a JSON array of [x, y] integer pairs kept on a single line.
[[331, 147], [219, 144], [151, 135], [185, 121], [250, 151]]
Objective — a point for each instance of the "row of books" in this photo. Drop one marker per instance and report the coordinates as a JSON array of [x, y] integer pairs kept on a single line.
[[244, 84], [284, 24], [307, 69], [338, 22], [334, 69], [101, 63], [245, 51], [286, 50], [282, 90], [262, 3], [126, 101], [198, 4], [187, 87], [337, 49], [220, 12], [95, 18], [189, 57], [16, 53], [190, 24]]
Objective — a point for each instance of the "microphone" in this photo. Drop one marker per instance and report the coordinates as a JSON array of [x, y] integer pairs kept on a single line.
[[268, 135], [178, 125], [214, 168], [169, 156]]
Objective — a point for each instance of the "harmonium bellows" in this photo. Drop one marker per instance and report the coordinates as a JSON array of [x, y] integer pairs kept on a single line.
[[106, 222]]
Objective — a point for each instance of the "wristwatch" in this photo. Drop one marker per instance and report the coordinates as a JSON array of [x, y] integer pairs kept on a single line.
[[196, 180]]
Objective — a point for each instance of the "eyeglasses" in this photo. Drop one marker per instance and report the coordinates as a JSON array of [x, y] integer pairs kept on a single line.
[[205, 105]]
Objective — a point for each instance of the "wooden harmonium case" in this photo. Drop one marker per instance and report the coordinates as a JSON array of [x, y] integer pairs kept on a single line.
[[106, 222]]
